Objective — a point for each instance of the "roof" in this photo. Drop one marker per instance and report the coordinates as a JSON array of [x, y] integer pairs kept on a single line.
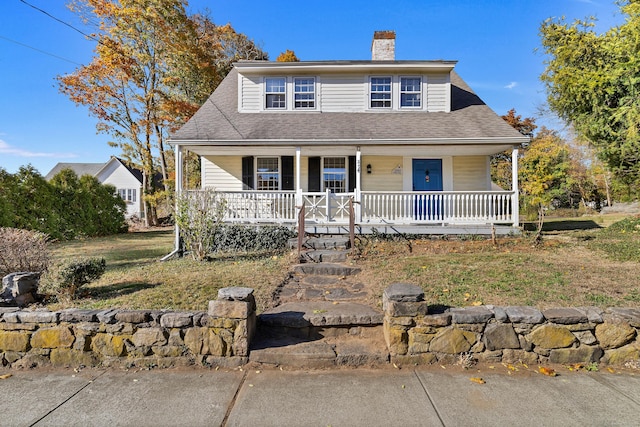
[[218, 122], [92, 169], [79, 168]]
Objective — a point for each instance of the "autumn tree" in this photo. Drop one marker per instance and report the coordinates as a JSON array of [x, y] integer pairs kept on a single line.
[[543, 172], [153, 67], [501, 162], [593, 83], [287, 56]]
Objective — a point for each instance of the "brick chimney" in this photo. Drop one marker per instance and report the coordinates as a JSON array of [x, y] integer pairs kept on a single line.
[[383, 47]]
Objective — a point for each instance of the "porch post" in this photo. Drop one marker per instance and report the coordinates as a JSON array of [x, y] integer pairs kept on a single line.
[[358, 195], [515, 204], [178, 184], [298, 179]]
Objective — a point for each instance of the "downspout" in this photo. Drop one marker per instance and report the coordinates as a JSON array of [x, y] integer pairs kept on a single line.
[[177, 250]]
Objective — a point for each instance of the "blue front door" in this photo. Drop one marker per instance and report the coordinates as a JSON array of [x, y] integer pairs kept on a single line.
[[427, 176]]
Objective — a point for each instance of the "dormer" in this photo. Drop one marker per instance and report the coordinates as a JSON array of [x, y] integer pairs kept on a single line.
[[382, 85]]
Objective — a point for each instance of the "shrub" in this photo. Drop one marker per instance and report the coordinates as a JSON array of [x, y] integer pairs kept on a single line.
[[199, 216], [243, 238], [23, 250], [65, 279]]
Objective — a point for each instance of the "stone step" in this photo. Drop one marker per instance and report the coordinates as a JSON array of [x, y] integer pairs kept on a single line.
[[320, 314], [324, 255], [326, 269], [325, 242], [359, 346]]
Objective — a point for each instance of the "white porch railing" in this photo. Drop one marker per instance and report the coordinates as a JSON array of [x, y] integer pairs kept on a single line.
[[376, 207], [441, 207]]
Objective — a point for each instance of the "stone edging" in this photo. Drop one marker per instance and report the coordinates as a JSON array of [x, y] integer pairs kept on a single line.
[[506, 334]]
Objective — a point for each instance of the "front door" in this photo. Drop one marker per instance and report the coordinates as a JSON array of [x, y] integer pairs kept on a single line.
[[427, 176]]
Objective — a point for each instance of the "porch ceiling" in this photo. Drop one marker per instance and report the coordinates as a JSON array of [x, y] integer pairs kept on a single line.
[[346, 150]]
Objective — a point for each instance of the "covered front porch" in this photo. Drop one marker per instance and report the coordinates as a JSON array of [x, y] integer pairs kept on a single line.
[[373, 188]]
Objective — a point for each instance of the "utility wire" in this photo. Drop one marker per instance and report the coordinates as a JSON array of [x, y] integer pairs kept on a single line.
[[60, 21], [38, 50]]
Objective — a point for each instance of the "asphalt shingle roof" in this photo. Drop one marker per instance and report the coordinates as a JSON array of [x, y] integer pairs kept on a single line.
[[79, 168], [219, 120]]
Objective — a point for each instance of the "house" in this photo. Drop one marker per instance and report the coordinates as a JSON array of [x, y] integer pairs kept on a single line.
[[408, 141], [127, 180]]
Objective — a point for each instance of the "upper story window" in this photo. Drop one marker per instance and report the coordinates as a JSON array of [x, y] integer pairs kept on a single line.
[[411, 92], [275, 91], [268, 173], [380, 92], [304, 92]]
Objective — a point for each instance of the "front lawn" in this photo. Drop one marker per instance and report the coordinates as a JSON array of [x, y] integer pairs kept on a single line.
[[584, 267]]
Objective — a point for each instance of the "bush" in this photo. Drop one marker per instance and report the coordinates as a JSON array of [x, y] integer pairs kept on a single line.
[[23, 250], [199, 216], [65, 279], [243, 238]]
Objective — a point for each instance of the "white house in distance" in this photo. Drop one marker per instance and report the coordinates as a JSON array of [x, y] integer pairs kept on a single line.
[[408, 141], [127, 180]]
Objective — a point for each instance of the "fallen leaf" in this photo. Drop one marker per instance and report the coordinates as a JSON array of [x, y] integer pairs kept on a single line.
[[477, 380], [476, 303], [5, 376], [443, 367], [547, 371], [257, 372], [445, 290], [492, 367], [467, 294], [402, 385], [395, 366], [610, 369]]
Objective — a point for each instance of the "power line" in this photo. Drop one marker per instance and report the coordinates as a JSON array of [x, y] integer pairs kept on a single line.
[[60, 21], [38, 50]]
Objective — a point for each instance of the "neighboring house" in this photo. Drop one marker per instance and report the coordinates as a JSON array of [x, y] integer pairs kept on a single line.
[[408, 141], [126, 180]]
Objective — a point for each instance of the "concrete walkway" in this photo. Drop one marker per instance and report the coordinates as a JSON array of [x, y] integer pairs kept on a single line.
[[430, 396]]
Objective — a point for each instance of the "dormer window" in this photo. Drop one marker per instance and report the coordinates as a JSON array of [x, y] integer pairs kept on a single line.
[[380, 92], [304, 92], [275, 93], [410, 92]]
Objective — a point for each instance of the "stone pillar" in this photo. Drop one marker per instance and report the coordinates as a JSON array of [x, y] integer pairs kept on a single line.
[[238, 306], [402, 303]]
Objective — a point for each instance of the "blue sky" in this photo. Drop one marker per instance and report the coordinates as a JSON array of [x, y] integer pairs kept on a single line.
[[494, 42]]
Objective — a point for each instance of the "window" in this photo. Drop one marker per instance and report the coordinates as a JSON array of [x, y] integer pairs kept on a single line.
[[380, 92], [275, 93], [334, 174], [268, 174], [304, 92], [410, 92], [127, 194]]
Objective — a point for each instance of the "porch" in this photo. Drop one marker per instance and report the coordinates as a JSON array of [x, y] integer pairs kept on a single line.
[[439, 212]]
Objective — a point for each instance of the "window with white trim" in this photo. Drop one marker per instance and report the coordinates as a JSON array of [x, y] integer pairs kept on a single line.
[[380, 92], [304, 92], [275, 93], [410, 92], [127, 194], [334, 174], [267, 173]]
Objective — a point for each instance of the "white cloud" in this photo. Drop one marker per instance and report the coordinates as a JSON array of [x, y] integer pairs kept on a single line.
[[18, 152], [511, 85]]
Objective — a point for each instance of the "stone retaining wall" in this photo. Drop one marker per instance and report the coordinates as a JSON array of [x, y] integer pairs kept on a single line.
[[506, 334], [218, 337]]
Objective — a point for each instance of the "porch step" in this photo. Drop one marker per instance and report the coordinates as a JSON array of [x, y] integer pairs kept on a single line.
[[326, 269], [320, 335], [324, 255], [319, 243]]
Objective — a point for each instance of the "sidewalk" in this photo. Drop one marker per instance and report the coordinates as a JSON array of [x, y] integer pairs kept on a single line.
[[430, 396]]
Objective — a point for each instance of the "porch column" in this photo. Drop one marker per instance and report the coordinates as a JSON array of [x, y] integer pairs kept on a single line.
[[515, 208], [358, 196], [298, 179], [179, 179]]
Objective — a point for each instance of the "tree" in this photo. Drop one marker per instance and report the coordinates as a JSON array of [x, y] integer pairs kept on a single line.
[[593, 83], [501, 163], [287, 56], [543, 172], [154, 66]]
